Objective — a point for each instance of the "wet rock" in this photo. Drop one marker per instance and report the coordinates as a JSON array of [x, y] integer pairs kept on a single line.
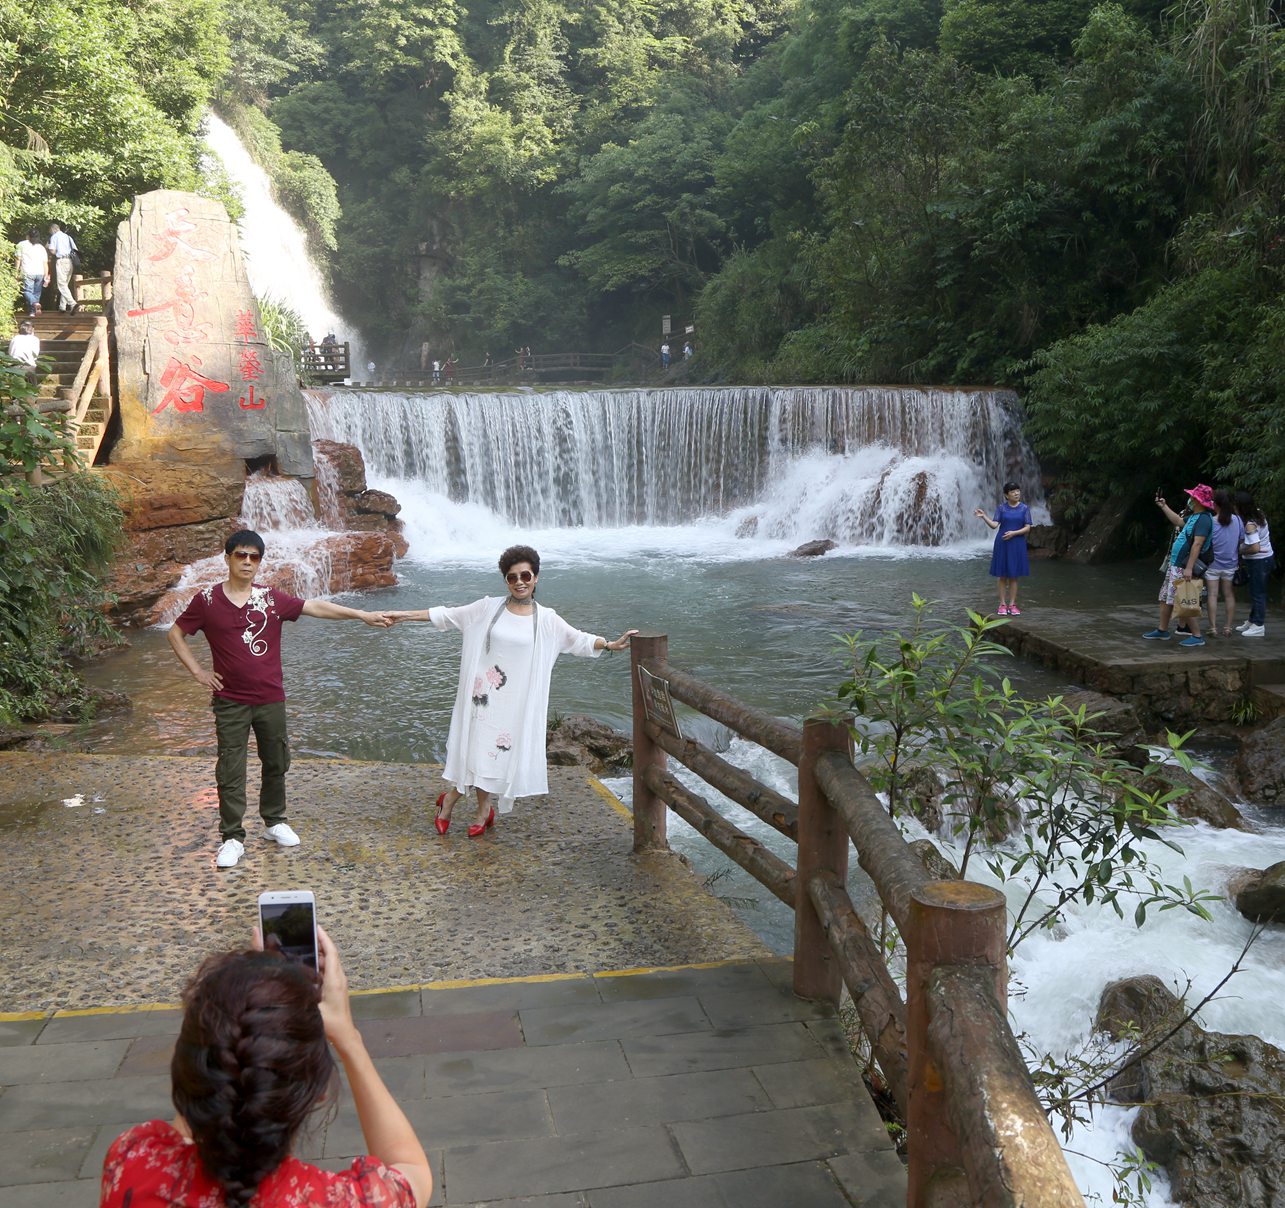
[[580, 741], [937, 865], [13, 738], [1259, 894], [163, 494], [1047, 541], [361, 561], [748, 527], [814, 549], [1213, 1105], [1200, 803], [1261, 764], [348, 463], [151, 562], [923, 793], [377, 502], [1114, 722]]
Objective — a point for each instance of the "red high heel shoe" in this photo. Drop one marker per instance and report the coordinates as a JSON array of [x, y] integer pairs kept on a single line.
[[442, 824], [478, 828]]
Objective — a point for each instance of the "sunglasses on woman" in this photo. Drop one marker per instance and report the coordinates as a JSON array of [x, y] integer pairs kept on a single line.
[[519, 576]]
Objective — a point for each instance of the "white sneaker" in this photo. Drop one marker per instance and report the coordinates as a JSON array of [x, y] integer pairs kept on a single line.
[[1242, 627], [281, 833], [1253, 631], [231, 852]]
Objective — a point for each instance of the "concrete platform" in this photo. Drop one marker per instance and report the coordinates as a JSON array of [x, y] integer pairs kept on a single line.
[[679, 1088], [499, 991], [111, 895], [1166, 681]]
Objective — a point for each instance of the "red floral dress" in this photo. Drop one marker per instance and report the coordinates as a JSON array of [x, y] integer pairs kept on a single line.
[[154, 1166]]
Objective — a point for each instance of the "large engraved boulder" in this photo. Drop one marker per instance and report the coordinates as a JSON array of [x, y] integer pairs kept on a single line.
[[199, 383]]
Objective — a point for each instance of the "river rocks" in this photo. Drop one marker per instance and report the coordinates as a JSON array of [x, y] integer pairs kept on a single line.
[[164, 494], [1200, 802], [1259, 893], [1213, 1105], [580, 741], [1047, 541], [150, 563], [1114, 722], [935, 864], [361, 561], [1261, 765], [346, 501], [814, 549]]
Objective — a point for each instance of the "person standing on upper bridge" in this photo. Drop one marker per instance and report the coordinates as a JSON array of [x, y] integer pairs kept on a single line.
[[501, 713], [242, 623]]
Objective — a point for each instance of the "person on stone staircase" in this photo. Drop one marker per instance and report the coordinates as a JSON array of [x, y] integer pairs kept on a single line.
[[32, 263], [25, 348], [61, 247], [242, 623]]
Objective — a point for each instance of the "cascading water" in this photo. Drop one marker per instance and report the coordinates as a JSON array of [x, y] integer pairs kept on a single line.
[[862, 465], [280, 509], [278, 262]]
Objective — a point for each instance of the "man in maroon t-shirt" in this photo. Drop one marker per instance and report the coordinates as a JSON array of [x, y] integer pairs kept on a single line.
[[242, 623]]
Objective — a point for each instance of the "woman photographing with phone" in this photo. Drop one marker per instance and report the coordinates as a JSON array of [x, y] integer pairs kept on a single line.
[[496, 742], [252, 1063]]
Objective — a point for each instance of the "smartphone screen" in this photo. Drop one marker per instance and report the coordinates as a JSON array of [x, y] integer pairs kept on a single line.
[[288, 919]]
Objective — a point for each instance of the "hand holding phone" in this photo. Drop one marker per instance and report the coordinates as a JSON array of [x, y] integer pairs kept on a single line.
[[288, 922]]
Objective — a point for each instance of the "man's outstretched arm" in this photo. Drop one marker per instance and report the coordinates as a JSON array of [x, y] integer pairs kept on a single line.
[[328, 610]]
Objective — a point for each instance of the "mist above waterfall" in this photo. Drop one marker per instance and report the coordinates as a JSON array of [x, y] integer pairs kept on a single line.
[[865, 466]]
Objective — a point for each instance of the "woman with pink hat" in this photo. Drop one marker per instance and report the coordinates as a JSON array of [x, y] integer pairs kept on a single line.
[[1195, 532]]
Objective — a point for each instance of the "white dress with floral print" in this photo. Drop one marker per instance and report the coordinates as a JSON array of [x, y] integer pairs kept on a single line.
[[499, 691]]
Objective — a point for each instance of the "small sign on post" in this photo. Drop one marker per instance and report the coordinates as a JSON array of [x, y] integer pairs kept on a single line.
[[665, 326], [658, 705]]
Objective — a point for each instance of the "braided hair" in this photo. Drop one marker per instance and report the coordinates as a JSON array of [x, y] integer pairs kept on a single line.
[[250, 1065]]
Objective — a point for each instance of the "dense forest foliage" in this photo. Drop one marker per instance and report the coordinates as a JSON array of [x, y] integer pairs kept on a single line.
[[1079, 199]]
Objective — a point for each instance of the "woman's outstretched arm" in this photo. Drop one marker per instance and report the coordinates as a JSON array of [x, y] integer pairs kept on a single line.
[[388, 1133]]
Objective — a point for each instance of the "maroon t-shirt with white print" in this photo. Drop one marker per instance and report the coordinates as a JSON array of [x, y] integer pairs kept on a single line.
[[245, 642]]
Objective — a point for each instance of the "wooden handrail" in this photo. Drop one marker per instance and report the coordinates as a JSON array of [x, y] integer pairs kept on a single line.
[[978, 1135], [768, 869], [1009, 1153], [765, 803]]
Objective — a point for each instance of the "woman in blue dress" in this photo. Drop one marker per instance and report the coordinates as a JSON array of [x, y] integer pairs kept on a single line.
[[1011, 522]]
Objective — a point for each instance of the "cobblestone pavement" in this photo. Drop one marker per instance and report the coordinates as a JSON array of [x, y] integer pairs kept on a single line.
[[111, 895]]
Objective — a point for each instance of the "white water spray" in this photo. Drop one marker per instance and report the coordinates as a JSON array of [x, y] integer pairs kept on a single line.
[[278, 262]]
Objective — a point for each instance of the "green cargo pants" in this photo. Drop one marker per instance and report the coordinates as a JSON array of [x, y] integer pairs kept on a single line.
[[232, 725]]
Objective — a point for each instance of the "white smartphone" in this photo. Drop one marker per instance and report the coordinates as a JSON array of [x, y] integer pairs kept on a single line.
[[288, 920]]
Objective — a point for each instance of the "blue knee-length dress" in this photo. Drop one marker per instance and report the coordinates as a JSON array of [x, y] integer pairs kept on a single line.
[[1009, 559]]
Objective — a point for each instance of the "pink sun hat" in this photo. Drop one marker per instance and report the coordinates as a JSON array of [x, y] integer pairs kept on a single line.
[[1203, 495]]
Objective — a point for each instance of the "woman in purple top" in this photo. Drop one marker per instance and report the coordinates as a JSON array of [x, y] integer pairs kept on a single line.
[[1011, 522], [1225, 541]]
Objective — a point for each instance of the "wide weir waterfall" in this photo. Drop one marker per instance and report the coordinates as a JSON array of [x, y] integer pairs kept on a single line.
[[864, 466]]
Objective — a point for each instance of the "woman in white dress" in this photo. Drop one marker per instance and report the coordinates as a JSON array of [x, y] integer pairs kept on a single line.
[[496, 742]]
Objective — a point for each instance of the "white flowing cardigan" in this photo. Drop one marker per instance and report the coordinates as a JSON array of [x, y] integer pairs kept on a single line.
[[528, 771]]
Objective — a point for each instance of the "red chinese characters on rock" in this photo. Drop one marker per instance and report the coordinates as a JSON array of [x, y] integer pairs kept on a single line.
[[171, 238], [186, 329], [251, 365], [185, 388]]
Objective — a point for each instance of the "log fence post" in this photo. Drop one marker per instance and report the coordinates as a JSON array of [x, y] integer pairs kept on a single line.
[[823, 847], [951, 923], [650, 821]]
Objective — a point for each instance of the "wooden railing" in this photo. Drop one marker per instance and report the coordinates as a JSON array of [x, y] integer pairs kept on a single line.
[[92, 293], [92, 388], [976, 1132], [326, 362]]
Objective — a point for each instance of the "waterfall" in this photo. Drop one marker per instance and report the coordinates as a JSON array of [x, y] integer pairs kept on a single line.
[[278, 262], [883, 466]]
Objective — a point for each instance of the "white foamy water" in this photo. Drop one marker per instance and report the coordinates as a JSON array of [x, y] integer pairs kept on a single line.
[[1058, 977], [278, 262], [726, 472], [281, 511]]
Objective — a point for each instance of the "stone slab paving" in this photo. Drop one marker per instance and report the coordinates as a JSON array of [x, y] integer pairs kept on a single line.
[[111, 895], [572, 1091], [566, 1024]]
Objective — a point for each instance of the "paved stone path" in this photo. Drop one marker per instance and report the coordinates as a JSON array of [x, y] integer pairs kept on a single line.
[[499, 981]]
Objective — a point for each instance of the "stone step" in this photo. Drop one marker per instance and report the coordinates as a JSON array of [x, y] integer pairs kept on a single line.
[[1269, 700]]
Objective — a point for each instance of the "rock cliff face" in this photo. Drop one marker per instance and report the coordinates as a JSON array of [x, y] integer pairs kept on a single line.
[[199, 383], [203, 401]]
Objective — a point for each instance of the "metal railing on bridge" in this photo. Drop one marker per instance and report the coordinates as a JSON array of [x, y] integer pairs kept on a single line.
[[976, 1132]]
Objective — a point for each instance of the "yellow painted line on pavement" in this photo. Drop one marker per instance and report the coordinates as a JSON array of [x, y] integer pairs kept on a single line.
[[21, 1016], [137, 1009], [611, 799], [723, 964]]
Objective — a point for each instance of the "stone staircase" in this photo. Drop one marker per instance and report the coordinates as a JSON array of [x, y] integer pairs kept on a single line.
[[77, 346]]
